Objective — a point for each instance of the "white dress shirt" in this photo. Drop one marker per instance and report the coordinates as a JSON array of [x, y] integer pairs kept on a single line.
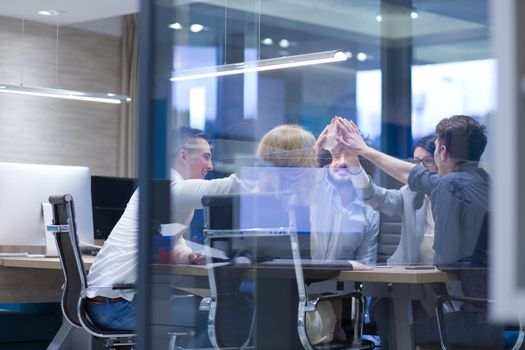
[[116, 262]]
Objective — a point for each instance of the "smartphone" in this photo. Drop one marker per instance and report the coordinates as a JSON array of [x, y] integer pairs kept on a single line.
[[419, 267]]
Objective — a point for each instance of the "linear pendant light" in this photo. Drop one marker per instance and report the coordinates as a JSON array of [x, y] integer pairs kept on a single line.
[[261, 65], [54, 92], [65, 94]]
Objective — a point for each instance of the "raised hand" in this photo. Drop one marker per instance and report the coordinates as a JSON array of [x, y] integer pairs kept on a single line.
[[319, 144], [350, 138]]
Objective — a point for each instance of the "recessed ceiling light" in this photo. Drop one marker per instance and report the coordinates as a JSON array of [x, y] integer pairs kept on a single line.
[[267, 41], [414, 15], [361, 56], [196, 27], [284, 43], [348, 54], [48, 12], [379, 18], [176, 26]]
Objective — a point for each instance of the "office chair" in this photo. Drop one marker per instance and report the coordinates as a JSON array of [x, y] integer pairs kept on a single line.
[[474, 271], [275, 315], [74, 298]]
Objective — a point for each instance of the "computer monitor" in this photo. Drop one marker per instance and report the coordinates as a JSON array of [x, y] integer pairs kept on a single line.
[[24, 187], [248, 211], [109, 196]]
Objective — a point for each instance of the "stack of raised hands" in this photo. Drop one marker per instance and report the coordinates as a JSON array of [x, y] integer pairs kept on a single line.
[[341, 133]]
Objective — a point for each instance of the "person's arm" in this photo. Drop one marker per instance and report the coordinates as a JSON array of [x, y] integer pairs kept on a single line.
[[448, 214], [181, 252], [387, 201], [367, 251], [352, 140], [188, 193]]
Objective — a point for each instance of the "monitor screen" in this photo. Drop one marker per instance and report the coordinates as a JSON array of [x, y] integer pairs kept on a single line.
[[257, 211], [24, 187], [109, 195]]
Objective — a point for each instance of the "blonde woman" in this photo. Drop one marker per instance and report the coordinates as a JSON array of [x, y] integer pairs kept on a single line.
[[295, 148]]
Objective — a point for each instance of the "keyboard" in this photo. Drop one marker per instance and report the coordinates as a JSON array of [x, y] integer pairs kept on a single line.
[[307, 263]]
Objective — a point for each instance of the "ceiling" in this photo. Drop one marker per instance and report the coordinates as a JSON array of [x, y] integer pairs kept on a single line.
[[71, 11], [442, 25]]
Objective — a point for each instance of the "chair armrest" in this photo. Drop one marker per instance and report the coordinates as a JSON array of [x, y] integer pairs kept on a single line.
[[441, 299], [312, 304]]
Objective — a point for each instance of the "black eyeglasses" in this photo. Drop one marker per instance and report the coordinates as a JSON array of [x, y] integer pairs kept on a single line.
[[425, 161]]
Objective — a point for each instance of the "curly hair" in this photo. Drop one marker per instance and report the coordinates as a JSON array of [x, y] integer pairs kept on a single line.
[[464, 137]]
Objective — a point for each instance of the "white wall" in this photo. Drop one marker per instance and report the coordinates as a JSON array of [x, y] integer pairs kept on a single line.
[[54, 131]]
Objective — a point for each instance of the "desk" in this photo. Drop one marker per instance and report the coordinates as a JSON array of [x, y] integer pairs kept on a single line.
[[32, 280], [396, 282], [24, 280], [37, 280]]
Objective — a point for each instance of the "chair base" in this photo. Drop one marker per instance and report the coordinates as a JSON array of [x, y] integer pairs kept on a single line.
[[117, 344], [364, 345]]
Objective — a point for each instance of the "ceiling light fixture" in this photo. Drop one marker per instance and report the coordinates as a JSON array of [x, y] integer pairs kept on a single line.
[[65, 94], [379, 18], [361, 56], [284, 43], [414, 15], [195, 28], [48, 12], [55, 92], [261, 65], [176, 26], [267, 41]]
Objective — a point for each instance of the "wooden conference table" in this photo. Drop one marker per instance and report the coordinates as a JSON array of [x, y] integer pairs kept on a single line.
[[33, 280]]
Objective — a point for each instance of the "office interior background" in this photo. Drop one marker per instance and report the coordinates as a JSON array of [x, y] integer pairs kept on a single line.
[[409, 63]]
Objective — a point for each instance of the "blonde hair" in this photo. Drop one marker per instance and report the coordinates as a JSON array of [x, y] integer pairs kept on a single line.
[[288, 145]]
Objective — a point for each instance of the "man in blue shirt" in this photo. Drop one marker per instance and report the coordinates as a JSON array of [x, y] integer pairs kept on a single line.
[[459, 198]]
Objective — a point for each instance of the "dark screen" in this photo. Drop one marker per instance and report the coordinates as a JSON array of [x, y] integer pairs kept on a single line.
[[110, 196], [249, 211]]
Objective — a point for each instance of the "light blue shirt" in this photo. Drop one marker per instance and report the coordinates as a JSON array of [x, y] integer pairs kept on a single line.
[[343, 232]]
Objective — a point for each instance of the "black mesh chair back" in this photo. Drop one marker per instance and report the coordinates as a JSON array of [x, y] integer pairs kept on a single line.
[[70, 257], [73, 301]]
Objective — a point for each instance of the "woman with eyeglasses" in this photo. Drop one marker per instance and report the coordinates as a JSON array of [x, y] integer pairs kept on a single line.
[[417, 224], [417, 227]]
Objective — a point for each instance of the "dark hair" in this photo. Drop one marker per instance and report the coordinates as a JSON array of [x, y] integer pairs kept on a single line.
[[464, 137], [427, 143], [183, 135], [182, 138]]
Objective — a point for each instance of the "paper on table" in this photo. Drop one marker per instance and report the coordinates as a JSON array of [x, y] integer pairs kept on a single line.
[[214, 252], [172, 229]]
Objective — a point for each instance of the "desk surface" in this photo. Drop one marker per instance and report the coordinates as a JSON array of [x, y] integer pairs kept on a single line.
[[394, 274], [40, 279], [40, 263]]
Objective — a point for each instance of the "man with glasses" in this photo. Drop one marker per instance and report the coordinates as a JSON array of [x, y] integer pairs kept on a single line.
[[459, 198]]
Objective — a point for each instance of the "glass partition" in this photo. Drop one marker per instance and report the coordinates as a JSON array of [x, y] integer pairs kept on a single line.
[[260, 143]]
